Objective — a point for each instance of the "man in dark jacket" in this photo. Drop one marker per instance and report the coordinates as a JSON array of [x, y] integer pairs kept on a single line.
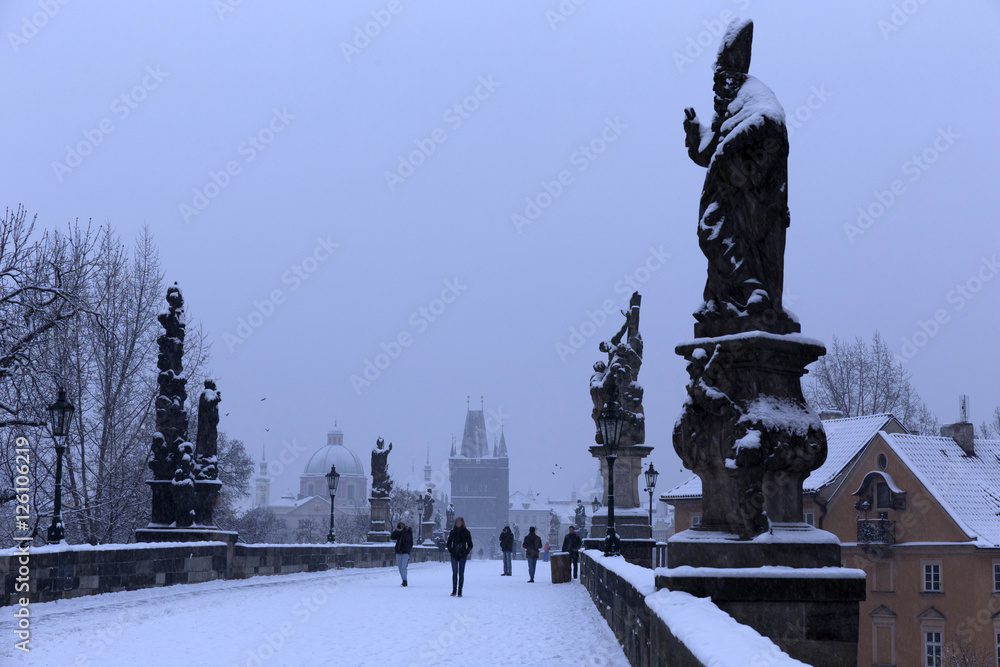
[[507, 548], [404, 543], [571, 545], [532, 545], [459, 546]]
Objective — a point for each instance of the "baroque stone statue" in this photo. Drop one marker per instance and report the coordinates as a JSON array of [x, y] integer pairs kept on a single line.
[[428, 508], [745, 428], [744, 203], [617, 380], [381, 483], [580, 516], [206, 442]]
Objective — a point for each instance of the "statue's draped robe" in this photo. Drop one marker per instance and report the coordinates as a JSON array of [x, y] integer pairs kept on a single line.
[[744, 206]]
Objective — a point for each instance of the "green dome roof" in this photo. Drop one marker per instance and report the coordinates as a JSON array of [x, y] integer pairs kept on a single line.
[[348, 463]]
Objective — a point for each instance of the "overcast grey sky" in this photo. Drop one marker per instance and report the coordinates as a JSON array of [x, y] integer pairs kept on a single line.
[[255, 139]]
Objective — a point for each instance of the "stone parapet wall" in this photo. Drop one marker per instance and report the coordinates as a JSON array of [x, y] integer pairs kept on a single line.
[[67, 571], [699, 634]]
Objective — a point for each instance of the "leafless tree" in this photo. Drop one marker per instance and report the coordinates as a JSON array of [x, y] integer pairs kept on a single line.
[[961, 653], [990, 429], [257, 525], [403, 506], [862, 378]]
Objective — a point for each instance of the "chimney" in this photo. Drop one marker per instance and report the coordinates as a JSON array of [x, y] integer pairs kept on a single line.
[[830, 414], [963, 433]]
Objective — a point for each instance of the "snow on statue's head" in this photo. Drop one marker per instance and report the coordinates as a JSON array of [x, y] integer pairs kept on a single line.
[[734, 52]]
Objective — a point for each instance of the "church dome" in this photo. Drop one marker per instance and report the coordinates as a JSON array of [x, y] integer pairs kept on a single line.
[[348, 463]]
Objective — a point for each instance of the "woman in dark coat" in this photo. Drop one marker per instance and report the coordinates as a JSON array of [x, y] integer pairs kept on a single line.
[[459, 546], [532, 545]]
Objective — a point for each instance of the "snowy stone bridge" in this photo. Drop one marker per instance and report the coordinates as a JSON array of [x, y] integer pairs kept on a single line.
[[338, 617]]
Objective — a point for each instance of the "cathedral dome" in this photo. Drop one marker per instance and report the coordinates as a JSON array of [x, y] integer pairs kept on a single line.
[[348, 463]]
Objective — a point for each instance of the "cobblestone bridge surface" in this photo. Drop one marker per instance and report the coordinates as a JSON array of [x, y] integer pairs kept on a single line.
[[341, 617]]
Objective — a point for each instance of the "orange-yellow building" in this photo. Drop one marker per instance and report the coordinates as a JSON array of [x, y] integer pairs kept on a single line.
[[921, 516]]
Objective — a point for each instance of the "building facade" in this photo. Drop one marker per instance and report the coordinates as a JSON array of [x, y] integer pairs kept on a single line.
[[921, 516], [480, 482], [305, 516]]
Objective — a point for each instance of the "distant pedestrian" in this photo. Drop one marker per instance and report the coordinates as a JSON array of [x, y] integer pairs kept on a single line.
[[545, 552], [507, 548], [571, 545], [404, 543], [459, 546], [532, 545]]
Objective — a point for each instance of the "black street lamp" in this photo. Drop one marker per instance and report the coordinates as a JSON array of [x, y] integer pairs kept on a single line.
[[651, 476], [332, 479], [60, 417], [610, 422], [596, 505]]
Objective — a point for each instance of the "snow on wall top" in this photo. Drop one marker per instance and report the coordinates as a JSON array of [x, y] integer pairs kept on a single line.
[[844, 438]]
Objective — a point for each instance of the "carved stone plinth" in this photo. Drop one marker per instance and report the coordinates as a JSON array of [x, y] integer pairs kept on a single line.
[[746, 429], [427, 529], [628, 467], [379, 529], [207, 497]]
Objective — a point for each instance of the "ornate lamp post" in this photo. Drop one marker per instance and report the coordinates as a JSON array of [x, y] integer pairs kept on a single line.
[[60, 416], [332, 479], [651, 475], [595, 505], [610, 422]]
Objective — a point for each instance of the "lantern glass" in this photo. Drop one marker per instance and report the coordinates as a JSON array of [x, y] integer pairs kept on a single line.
[[61, 414], [651, 475], [332, 479], [610, 422]]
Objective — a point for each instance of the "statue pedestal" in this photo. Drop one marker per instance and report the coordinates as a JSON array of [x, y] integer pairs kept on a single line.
[[207, 496], [748, 433], [379, 531], [628, 467], [746, 429], [427, 529]]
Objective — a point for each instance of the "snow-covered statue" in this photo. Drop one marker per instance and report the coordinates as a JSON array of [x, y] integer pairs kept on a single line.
[[449, 517], [428, 508], [580, 516], [744, 203], [745, 428], [206, 442], [381, 483], [617, 380]]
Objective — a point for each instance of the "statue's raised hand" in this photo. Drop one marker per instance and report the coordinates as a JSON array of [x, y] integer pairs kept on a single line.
[[692, 129]]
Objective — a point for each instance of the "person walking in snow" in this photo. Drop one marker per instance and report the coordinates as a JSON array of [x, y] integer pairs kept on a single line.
[[545, 552], [507, 548], [404, 543], [459, 546], [532, 545], [571, 545]]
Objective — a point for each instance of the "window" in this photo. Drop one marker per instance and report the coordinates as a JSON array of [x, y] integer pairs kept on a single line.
[[350, 492], [695, 520], [932, 578], [309, 490], [883, 497], [809, 518], [932, 648], [996, 577], [882, 461]]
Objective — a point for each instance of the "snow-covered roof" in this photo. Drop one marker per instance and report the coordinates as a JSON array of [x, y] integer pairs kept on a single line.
[[844, 439], [967, 487]]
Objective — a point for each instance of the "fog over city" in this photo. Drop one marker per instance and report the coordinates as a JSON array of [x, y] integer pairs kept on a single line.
[[378, 209]]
